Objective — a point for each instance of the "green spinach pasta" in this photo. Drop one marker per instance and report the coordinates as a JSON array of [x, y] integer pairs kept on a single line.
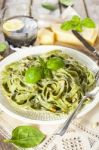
[[53, 82]]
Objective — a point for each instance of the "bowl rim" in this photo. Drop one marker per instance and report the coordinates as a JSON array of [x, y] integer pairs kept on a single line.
[[84, 111]]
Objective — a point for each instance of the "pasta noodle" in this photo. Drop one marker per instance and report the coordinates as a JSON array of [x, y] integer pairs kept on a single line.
[[60, 93]]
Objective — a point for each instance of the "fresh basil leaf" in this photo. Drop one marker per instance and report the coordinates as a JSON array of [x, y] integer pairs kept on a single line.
[[66, 26], [77, 24], [49, 6], [55, 63], [75, 20], [73, 24], [88, 22], [26, 137], [67, 2], [34, 74]]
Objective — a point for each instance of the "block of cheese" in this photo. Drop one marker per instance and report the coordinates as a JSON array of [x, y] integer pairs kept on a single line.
[[46, 37], [90, 34]]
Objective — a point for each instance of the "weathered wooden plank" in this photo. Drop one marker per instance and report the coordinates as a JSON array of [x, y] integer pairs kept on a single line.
[[17, 7], [37, 11], [15, 2], [1, 37], [1, 3], [5, 146], [1, 6], [93, 9], [80, 8]]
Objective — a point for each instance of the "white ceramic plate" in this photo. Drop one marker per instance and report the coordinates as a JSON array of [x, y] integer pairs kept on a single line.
[[39, 117]]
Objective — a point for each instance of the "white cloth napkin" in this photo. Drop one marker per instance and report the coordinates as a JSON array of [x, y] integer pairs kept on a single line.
[[83, 134], [77, 137]]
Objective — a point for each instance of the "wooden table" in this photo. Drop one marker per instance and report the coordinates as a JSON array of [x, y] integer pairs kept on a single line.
[[85, 8]]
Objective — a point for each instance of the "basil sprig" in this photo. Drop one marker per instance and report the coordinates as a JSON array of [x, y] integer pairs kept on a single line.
[[35, 73], [26, 137], [88, 22], [76, 23]]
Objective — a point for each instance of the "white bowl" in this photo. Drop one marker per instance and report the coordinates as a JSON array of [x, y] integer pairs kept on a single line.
[[44, 118]]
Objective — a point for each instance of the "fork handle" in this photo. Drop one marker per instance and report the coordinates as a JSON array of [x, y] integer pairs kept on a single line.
[[66, 124]]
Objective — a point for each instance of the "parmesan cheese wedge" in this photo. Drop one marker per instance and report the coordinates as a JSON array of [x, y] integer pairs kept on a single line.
[[90, 34], [46, 36]]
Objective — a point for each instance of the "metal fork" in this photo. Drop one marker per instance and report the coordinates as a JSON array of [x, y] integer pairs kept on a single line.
[[66, 124]]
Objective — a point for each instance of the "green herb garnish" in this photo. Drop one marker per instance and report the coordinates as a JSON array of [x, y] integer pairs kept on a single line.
[[34, 74], [49, 6], [88, 22], [76, 23], [3, 47], [55, 63], [26, 137], [67, 2]]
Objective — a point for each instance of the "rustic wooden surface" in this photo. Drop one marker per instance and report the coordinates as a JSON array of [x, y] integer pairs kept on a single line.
[[83, 7]]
